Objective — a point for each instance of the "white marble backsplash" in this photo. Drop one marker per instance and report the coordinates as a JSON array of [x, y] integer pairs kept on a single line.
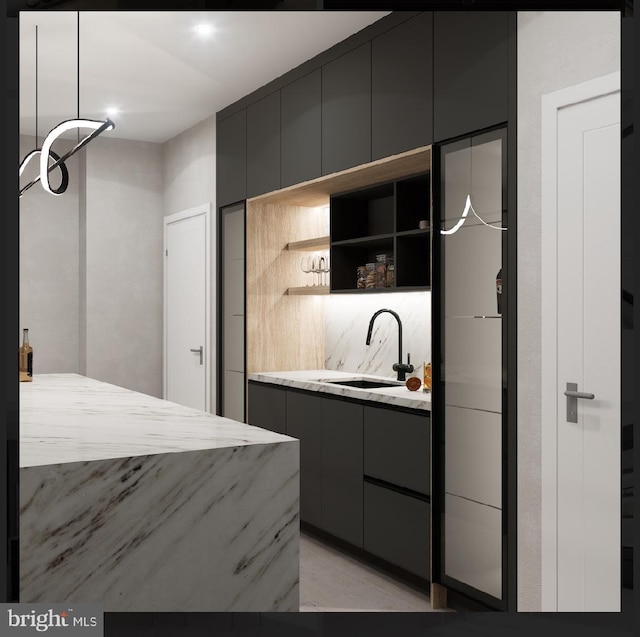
[[347, 321]]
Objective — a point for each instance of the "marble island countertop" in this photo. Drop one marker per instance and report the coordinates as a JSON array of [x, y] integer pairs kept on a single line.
[[72, 418], [317, 380], [143, 505]]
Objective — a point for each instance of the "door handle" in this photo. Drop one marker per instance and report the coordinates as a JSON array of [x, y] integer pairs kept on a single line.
[[199, 350], [572, 400]]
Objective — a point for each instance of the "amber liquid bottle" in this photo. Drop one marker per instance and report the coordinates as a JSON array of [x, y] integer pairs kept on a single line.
[[26, 357]]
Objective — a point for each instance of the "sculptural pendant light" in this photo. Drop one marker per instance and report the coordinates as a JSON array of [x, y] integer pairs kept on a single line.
[[46, 153], [468, 207]]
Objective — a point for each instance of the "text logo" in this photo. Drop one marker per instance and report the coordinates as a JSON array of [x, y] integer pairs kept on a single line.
[[37, 619]]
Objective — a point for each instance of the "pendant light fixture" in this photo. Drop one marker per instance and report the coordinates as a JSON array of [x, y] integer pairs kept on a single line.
[[469, 207], [46, 153]]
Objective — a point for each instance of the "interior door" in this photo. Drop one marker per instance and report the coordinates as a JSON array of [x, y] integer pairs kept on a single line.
[[584, 414], [186, 308]]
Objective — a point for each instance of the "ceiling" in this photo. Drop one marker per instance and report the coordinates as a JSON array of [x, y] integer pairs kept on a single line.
[[161, 75]]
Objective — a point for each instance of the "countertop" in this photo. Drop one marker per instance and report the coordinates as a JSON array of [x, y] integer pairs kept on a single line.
[[142, 505], [72, 418], [316, 380]]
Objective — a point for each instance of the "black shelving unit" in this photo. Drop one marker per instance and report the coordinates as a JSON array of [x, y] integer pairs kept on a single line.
[[382, 219]]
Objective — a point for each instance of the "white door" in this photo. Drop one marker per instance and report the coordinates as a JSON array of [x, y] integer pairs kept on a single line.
[[581, 347], [186, 308]]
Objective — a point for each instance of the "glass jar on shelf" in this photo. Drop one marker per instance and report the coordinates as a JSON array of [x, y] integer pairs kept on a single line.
[[361, 277], [370, 281], [381, 270]]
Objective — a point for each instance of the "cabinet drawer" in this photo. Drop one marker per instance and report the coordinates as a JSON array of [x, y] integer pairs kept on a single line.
[[396, 448], [267, 407], [396, 528]]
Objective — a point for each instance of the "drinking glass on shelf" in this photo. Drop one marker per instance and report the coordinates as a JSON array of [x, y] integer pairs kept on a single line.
[[315, 268], [306, 264], [324, 268]]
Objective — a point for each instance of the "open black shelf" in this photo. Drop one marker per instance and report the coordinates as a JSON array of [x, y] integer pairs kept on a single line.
[[383, 219], [377, 240], [362, 213], [413, 203]]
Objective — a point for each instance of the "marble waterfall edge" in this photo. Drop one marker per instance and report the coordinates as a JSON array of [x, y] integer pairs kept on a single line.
[[151, 506]]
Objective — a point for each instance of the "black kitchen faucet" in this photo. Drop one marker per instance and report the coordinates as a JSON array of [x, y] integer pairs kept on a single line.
[[399, 367]]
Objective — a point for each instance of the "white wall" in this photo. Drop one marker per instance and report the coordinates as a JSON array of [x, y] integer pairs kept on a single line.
[[124, 277], [189, 168], [49, 266], [189, 180], [91, 267], [555, 50]]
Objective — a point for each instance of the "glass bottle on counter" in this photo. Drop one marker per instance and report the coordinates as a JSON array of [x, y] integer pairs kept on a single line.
[[26, 357]]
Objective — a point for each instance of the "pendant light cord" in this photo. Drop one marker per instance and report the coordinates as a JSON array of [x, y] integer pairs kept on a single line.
[[36, 86], [46, 152], [78, 53]]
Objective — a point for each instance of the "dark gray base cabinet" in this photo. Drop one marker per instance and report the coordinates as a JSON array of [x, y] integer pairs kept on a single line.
[[364, 470], [304, 422], [396, 529], [267, 407], [396, 448], [342, 470]]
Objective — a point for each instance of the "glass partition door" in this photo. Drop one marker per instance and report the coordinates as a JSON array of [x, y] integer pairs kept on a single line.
[[470, 384]]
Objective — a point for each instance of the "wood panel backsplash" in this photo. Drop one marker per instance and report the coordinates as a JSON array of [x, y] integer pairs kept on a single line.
[[284, 332]]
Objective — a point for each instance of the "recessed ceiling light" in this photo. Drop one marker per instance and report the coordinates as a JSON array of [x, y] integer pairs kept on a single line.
[[204, 30], [113, 110]]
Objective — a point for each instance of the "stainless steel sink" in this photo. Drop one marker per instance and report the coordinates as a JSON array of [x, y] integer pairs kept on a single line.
[[364, 383]]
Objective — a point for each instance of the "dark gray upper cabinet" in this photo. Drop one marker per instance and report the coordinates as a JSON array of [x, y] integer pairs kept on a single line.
[[301, 130], [342, 482], [470, 77], [263, 145], [402, 87], [231, 159], [268, 407], [346, 110], [304, 423]]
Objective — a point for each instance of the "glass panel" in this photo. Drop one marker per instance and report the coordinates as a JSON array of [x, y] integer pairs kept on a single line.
[[472, 196]]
